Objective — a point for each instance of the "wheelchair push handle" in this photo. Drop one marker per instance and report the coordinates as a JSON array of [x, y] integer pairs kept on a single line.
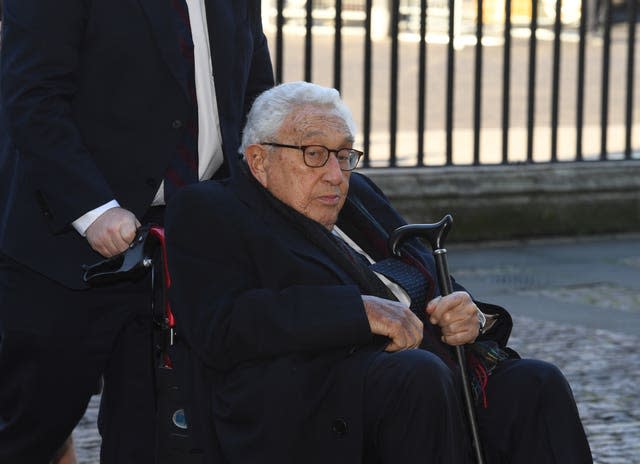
[[131, 263]]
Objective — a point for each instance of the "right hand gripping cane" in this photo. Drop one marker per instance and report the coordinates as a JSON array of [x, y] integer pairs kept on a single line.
[[435, 235]]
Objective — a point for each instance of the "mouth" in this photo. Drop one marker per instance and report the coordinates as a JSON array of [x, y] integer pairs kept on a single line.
[[330, 200]]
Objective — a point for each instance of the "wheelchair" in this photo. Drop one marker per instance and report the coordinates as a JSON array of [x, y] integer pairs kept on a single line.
[[147, 255]]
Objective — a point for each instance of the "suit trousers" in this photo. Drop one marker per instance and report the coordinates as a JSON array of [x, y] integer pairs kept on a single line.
[[412, 411], [531, 416], [55, 344]]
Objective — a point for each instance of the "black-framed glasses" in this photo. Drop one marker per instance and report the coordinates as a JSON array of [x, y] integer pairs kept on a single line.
[[316, 156]]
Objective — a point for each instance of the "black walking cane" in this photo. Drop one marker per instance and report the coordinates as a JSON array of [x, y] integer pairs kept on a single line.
[[435, 235]]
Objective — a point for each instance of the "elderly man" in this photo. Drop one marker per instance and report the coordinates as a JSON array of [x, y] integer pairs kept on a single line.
[[297, 351]]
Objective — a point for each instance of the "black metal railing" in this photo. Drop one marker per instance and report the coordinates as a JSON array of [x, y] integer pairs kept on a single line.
[[575, 50]]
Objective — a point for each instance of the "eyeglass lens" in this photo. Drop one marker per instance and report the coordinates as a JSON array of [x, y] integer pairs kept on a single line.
[[316, 156]]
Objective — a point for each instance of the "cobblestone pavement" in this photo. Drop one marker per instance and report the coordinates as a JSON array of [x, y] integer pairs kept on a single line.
[[575, 304]]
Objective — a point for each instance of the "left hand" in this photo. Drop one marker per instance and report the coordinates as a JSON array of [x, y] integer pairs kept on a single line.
[[457, 316]]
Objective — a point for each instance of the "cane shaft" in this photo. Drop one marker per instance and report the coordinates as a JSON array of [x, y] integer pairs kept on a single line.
[[446, 288], [442, 269]]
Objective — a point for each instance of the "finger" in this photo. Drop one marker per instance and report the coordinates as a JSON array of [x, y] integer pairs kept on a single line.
[[397, 343], [117, 244], [442, 307], [456, 339], [418, 333], [439, 311], [392, 348], [410, 335], [459, 320], [431, 305], [127, 231], [455, 307], [467, 334], [413, 327]]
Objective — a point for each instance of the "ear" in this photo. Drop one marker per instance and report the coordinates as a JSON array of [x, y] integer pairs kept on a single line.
[[256, 156]]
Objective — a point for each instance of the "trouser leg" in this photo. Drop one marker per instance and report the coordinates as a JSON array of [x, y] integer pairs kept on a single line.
[[54, 345], [46, 374], [127, 409], [531, 416], [412, 411]]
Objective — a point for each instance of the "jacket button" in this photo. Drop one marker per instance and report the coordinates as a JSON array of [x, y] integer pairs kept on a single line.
[[151, 182], [176, 124], [339, 427]]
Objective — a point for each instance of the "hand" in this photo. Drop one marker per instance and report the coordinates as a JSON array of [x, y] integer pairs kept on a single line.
[[112, 232], [394, 320], [457, 316]]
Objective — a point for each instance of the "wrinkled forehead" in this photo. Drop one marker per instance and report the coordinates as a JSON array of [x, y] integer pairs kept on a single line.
[[315, 121]]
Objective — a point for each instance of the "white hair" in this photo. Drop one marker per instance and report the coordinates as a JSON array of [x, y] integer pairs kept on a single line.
[[272, 107]]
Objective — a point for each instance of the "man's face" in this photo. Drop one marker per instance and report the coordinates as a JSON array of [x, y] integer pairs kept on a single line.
[[319, 192]]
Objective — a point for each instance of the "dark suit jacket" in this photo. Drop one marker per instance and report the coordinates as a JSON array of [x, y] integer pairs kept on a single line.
[[273, 339], [93, 106]]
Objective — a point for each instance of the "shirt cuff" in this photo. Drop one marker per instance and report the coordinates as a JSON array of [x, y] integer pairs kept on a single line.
[[83, 222]]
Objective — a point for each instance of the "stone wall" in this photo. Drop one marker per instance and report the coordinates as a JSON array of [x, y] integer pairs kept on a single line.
[[519, 201]]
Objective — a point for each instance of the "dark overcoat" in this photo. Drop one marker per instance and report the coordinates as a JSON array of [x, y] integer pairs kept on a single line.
[[93, 104], [273, 338]]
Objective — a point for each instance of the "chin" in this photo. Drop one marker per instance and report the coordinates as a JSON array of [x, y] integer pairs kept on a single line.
[[329, 223]]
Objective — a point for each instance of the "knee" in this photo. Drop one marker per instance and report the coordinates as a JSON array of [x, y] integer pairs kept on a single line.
[[545, 374], [425, 373], [553, 383], [541, 379]]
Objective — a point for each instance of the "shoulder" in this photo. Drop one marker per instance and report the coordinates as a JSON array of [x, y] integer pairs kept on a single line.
[[199, 195], [198, 205], [363, 187]]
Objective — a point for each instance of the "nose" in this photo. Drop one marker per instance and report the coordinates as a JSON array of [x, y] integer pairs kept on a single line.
[[332, 172]]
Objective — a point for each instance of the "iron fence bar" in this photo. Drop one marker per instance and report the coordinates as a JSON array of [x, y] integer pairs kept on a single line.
[[477, 93], [555, 80], [337, 47], [366, 117], [393, 82], [308, 45], [422, 81], [584, 17], [531, 91], [506, 81], [422, 8], [604, 101], [450, 90], [279, 39], [632, 11]]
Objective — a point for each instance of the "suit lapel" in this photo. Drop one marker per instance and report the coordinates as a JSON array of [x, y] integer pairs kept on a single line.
[[160, 14]]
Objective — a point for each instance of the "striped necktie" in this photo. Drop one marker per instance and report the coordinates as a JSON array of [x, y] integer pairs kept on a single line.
[[183, 167]]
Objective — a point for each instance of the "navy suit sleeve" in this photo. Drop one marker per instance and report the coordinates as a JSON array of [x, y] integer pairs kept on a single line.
[[39, 65], [236, 297]]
